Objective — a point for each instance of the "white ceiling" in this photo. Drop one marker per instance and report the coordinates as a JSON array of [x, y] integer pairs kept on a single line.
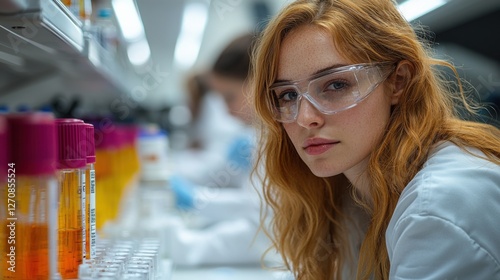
[[162, 22]]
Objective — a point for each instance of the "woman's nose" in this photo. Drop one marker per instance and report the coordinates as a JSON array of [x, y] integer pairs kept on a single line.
[[308, 116]]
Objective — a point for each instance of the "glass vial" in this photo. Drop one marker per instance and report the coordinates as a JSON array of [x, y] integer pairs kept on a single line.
[[71, 164], [31, 214]]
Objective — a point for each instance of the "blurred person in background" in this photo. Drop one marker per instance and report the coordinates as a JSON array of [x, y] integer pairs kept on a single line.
[[197, 101], [211, 128], [220, 198]]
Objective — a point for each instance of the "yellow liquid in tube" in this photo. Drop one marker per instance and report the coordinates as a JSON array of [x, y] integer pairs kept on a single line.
[[32, 259], [70, 223], [103, 193]]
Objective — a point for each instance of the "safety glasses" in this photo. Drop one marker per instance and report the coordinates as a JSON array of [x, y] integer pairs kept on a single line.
[[330, 92]]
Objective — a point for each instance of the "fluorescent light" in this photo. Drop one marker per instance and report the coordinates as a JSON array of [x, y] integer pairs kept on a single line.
[[413, 9], [128, 19], [132, 29], [138, 53], [188, 44]]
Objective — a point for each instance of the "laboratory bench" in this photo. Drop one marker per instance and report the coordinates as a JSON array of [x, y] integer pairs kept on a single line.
[[221, 273]]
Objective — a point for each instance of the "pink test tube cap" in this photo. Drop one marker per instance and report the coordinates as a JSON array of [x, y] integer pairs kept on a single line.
[[33, 143], [89, 129], [4, 149], [72, 144]]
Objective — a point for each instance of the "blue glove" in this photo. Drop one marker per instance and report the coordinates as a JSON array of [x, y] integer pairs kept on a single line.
[[183, 192], [240, 152]]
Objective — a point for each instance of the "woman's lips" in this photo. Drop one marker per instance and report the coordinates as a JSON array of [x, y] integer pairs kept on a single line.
[[317, 146]]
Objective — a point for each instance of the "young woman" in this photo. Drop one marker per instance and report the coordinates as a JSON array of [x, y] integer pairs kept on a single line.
[[368, 170]]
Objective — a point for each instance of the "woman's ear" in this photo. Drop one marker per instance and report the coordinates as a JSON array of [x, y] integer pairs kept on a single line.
[[400, 79]]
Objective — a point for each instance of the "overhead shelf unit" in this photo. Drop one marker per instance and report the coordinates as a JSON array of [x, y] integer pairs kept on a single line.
[[43, 35]]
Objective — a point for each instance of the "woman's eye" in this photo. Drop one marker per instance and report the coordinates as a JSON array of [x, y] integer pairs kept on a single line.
[[288, 95], [337, 85]]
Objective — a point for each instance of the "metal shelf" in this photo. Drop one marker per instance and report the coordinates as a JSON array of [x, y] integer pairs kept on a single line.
[[46, 27], [47, 34]]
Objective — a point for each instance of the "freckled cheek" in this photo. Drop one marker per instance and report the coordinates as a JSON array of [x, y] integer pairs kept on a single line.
[[372, 123], [292, 132], [363, 122]]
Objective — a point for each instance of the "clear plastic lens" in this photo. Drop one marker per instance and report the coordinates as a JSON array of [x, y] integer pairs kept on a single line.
[[330, 92]]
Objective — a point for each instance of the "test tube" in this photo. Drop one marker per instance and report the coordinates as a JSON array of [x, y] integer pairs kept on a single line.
[[31, 194], [85, 7], [4, 168], [104, 136], [4, 160], [71, 164], [91, 230]]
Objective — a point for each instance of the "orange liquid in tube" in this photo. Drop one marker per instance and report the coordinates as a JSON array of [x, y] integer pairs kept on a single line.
[[85, 8], [29, 220], [71, 165]]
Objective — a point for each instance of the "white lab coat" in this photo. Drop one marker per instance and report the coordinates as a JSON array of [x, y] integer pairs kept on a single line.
[[212, 167], [216, 129], [223, 227], [214, 126], [446, 224], [223, 230]]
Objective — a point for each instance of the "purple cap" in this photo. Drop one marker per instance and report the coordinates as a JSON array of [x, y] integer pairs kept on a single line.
[[90, 143], [4, 150], [120, 138], [105, 139], [72, 148], [33, 143], [132, 133]]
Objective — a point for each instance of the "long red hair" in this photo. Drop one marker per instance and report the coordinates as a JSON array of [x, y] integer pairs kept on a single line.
[[308, 223]]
